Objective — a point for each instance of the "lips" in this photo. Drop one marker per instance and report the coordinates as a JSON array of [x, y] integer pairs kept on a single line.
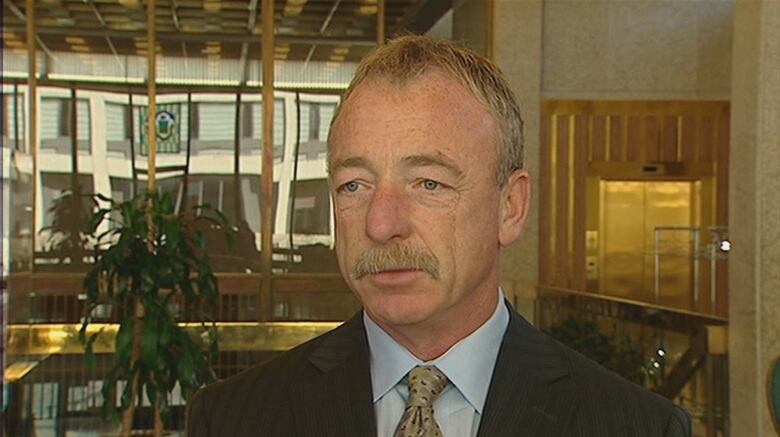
[[395, 278]]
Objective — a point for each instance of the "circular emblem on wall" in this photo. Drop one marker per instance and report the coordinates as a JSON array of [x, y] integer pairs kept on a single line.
[[166, 124]]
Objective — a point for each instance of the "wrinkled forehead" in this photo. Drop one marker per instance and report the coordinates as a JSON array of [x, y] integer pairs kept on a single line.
[[382, 91]]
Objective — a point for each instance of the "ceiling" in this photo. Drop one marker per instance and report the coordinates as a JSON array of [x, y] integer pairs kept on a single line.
[[306, 30]]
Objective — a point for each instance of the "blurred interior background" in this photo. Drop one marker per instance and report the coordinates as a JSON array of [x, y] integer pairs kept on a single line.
[[652, 133]]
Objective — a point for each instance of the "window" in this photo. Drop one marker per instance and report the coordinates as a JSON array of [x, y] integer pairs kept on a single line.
[[252, 128], [56, 118], [215, 121], [311, 209], [219, 192], [315, 125], [12, 124], [53, 185], [118, 128], [213, 126]]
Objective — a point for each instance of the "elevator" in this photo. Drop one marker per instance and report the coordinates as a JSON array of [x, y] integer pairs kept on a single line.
[[634, 201]]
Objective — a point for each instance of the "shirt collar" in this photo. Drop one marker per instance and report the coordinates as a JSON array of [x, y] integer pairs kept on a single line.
[[468, 364]]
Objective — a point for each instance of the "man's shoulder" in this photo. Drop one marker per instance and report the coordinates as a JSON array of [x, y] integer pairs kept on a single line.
[[582, 394], [291, 364], [260, 395], [589, 375], [602, 393]]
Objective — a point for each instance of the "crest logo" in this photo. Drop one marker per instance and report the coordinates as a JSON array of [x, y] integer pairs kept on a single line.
[[166, 124]]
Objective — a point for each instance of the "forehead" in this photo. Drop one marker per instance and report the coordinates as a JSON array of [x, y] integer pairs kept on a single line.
[[431, 113]]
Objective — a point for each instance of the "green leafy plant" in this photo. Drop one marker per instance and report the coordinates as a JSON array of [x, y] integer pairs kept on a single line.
[[617, 352], [151, 264], [65, 237]]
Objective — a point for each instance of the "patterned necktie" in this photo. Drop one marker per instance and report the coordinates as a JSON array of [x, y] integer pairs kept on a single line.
[[425, 384]]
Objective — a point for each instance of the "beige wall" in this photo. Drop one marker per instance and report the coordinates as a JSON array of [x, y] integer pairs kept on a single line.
[[637, 49], [517, 36], [754, 264], [517, 50], [468, 24]]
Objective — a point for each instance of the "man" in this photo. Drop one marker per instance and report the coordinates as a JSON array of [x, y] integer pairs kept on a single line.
[[426, 174]]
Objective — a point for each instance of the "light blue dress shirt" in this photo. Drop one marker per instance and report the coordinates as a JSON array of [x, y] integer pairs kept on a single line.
[[468, 365]]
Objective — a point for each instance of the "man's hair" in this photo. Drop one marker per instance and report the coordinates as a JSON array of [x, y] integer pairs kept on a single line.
[[408, 57]]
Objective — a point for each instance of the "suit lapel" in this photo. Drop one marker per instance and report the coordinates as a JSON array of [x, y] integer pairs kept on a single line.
[[346, 404], [530, 393]]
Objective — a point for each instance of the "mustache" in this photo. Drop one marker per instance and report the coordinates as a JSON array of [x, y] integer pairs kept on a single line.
[[397, 257]]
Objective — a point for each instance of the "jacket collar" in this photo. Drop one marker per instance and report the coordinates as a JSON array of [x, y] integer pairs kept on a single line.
[[530, 392], [343, 399]]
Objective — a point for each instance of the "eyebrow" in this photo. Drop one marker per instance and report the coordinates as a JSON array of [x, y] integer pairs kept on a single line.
[[433, 161], [409, 161], [351, 162]]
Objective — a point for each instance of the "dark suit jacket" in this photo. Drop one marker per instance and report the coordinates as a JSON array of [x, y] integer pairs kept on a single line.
[[539, 388]]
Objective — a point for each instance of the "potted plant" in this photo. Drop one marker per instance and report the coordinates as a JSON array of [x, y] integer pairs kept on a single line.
[[616, 352], [152, 267], [64, 241]]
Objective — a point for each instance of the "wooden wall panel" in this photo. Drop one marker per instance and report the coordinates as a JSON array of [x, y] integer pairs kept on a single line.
[[634, 139], [616, 139], [562, 202], [705, 139], [688, 139], [669, 139], [579, 279], [576, 134], [652, 139], [721, 170], [599, 144]]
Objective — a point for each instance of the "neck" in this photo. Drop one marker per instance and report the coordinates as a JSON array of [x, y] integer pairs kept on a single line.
[[432, 338]]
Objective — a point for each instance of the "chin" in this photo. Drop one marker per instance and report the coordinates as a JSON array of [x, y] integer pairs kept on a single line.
[[400, 310]]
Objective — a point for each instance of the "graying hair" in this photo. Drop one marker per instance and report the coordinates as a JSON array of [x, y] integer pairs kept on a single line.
[[403, 59]]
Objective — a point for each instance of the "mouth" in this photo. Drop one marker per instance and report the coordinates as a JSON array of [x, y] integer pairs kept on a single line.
[[395, 277]]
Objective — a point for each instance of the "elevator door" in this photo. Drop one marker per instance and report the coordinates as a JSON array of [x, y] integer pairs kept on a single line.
[[631, 213]]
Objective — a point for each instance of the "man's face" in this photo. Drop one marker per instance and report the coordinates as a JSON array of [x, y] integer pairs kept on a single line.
[[417, 204]]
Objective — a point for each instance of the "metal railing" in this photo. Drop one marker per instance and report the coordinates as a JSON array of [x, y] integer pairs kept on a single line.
[[716, 249]]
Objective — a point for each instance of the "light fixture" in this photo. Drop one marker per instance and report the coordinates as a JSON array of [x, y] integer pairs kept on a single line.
[[212, 6], [292, 10], [367, 9], [725, 245], [132, 4]]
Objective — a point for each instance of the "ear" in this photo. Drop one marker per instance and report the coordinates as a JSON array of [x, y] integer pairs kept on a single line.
[[515, 203]]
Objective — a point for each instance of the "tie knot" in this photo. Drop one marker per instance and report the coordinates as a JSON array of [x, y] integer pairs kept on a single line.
[[425, 384]]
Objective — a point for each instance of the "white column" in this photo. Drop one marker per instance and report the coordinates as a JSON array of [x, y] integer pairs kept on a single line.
[[754, 220]]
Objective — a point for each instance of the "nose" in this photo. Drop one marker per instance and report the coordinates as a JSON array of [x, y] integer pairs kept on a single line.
[[388, 216]]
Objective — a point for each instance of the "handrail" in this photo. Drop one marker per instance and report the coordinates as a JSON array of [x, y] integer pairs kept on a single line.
[[708, 319], [63, 338]]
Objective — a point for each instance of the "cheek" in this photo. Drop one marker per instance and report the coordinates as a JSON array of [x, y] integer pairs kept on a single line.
[[439, 233], [350, 229], [475, 229]]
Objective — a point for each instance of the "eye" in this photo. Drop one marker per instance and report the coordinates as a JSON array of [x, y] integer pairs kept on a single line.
[[350, 187], [431, 185]]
